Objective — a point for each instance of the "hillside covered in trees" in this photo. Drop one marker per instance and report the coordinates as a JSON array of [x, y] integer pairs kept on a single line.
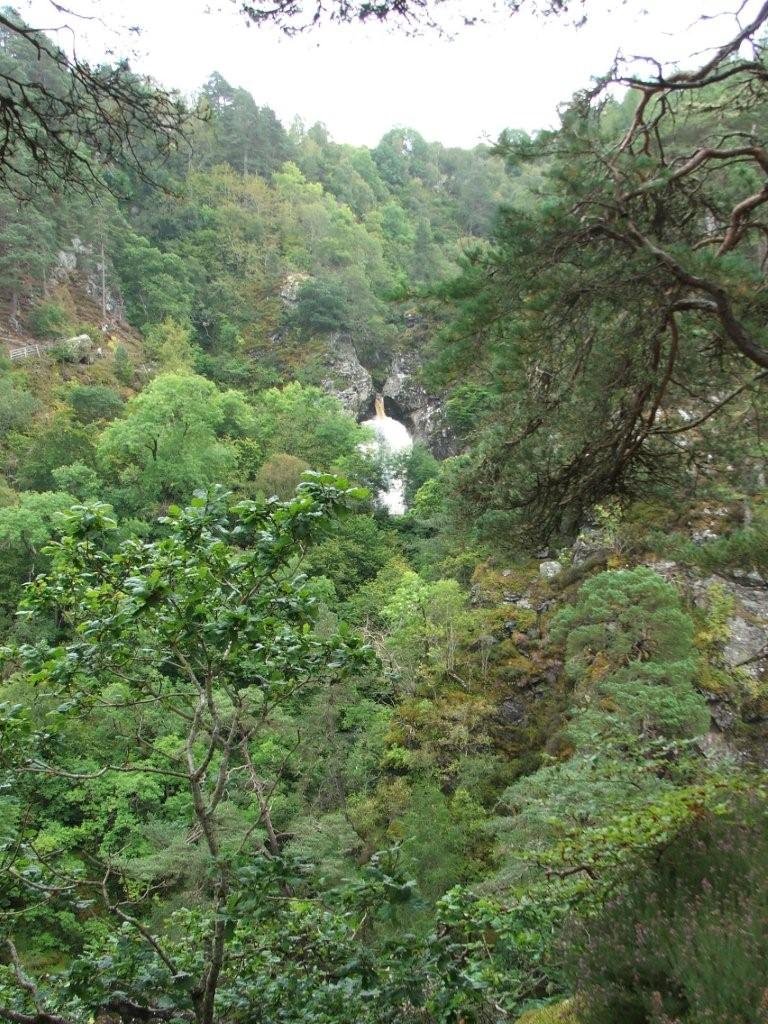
[[271, 753]]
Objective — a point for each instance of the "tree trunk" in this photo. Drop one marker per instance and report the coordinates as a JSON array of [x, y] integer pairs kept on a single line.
[[103, 285]]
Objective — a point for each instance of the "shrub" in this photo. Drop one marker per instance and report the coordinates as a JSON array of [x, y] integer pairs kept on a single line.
[[354, 551], [124, 370], [49, 320], [307, 423], [741, 551], [93, 331], [17, 407], [61, 443], [170, 344], [235, 371], [687, 941], [744, 550], [77, 479], [94, 402], [555, 1013], [629, 643], [280, 475], [418, 466], [63, 353], [321, 308]]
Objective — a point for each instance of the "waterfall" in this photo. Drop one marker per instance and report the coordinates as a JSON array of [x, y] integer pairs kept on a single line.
[[392, 438]]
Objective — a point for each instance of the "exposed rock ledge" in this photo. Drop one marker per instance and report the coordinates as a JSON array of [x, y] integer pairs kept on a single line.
[[346, 377]]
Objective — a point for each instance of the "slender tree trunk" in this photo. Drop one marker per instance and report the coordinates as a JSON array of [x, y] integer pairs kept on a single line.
[[103, 285]]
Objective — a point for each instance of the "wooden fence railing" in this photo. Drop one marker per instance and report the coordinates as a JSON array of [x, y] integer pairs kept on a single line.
[[26, 351]]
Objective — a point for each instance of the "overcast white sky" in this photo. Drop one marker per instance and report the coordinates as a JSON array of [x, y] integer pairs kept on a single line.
[[361, 81]]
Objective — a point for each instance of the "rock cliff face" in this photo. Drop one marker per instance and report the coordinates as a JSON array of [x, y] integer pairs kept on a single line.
[[406, 398], [80, 261], [345, 376], [746, 647], [423, 411]]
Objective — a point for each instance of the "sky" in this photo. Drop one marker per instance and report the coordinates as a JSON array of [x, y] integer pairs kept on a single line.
[[360, 81]]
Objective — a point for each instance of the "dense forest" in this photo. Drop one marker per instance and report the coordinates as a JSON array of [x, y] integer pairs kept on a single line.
[[272, 752]]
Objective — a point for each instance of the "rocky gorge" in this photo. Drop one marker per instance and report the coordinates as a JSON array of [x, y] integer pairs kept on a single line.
[[406, 397]]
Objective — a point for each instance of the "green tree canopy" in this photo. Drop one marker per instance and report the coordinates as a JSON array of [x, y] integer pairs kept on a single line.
[[171, 439], [213, 629], [306, 423], [629, 293]]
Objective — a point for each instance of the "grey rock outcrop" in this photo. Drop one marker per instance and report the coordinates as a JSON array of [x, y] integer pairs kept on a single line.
[[549, 569], [747, 645], [345, 377], [80, 348], [79, 260], [289, 292], [424, 411], [715, 747], [513, 711], [66, 264], [590, 541]]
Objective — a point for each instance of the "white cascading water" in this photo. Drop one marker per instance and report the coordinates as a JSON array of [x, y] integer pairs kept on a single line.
[[392, 437]]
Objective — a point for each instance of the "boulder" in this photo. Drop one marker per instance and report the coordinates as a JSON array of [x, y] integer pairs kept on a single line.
[[550, 568], [590, 541], [513, 711], [79, 348]]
